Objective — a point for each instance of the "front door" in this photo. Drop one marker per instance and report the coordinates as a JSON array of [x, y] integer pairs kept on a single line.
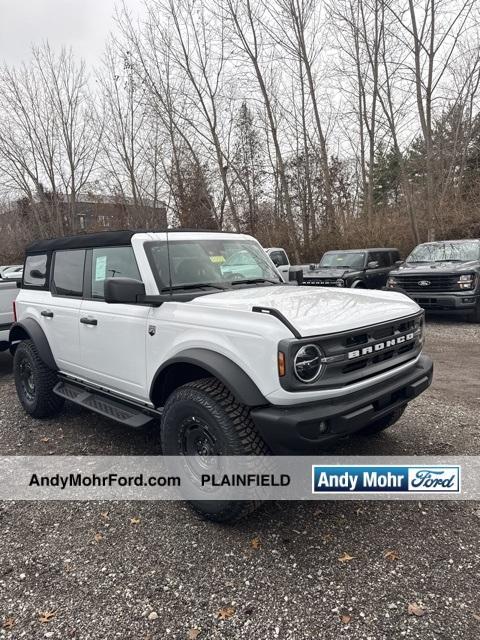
[[113, 336]]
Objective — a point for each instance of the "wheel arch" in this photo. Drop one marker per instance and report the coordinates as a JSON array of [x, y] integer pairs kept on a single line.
[[194, 364], [29, 329]]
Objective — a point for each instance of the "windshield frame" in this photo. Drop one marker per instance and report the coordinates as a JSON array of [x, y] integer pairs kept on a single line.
[[215, 286], [442, 245]]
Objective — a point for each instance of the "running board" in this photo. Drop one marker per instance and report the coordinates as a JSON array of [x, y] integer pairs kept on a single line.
[[114, 409]]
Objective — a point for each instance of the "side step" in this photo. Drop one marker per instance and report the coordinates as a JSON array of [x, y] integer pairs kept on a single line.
[[114, 409]]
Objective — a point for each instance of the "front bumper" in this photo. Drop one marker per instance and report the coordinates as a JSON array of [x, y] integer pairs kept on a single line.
[[298, 428], [462, 301]]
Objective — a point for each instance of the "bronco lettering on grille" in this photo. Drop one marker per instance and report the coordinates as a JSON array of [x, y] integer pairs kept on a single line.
[[380, 346]]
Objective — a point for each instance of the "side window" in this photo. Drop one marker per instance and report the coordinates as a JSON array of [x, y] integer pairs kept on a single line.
[[35, 271], [112, 262], [394, 257], [68, 273], [279, 258], [381, 257]]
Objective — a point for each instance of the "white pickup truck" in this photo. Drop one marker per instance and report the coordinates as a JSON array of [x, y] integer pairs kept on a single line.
[[138, 326], [8, 293]]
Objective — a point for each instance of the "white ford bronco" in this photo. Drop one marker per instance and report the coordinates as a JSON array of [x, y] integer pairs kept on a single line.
[[198, 329]]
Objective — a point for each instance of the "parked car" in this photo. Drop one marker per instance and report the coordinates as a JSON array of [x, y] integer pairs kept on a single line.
[[280, 259], [442, 276], [355, 268], [11, 272], [138, 326], [8, 293]]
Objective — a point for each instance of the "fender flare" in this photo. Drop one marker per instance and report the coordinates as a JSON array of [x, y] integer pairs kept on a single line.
[[355, 284], [35, 333], [221, 367]]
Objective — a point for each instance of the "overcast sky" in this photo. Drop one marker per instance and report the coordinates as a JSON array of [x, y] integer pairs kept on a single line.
[[82, 24]]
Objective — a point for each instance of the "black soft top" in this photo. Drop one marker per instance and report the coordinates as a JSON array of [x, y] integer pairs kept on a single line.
[[102, 239]]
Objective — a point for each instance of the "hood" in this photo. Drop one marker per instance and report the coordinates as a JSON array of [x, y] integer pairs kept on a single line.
[[318, 310], [428, 268], [320, 272]]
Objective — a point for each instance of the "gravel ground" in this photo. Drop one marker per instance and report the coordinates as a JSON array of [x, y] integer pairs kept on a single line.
[[151, 571]]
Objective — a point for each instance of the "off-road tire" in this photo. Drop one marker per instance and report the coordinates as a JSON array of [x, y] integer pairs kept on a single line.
[[231, 426], [42, 403], [383, 423]]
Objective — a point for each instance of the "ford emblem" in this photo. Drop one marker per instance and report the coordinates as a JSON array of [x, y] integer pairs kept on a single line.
[[424, 283]]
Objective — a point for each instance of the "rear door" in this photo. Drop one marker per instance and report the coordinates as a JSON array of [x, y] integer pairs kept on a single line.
[[377, 278], [113, 336]]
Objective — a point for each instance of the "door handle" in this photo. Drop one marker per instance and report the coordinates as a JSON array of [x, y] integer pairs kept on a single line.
[[91, 321], [47, 314]]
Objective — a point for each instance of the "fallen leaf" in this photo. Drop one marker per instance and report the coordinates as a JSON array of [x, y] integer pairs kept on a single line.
[[98, 537], [46, 616], [193, 634], [44, 439], [226, 613], [415, 609], [135, 520], [104, 515], [345, 619], [476, 616], [390, 555], [345, 557], [8, 623], [255, 543]]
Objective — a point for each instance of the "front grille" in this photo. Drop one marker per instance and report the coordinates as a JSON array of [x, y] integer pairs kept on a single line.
[[319, 282], [429, 283], [353, 356]]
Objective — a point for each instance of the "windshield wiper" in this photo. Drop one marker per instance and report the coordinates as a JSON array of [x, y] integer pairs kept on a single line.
[[200, 285], [256, 281], [450, 260]]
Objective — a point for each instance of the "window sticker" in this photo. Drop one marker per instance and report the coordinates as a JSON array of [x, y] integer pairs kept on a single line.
[[101, 268]]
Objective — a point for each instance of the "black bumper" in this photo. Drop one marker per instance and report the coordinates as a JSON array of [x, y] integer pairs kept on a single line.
[[446, 301], [298, 428]]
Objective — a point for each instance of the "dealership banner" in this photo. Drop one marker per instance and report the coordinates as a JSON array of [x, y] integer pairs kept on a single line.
[[239, 478]]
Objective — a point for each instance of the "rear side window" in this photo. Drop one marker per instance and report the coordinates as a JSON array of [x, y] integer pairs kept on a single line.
[[381, 257], [68, 273], [394, 257], [35, 271], [112, 262]]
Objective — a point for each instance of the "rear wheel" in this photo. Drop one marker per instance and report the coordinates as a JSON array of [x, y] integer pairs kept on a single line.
[[202, 419], [34, 382], [383, 423]]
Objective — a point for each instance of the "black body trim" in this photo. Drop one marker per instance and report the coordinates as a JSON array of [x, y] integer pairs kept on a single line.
[[218, 365], [36, 334], [6, 326], [279, 315], [296, 428]]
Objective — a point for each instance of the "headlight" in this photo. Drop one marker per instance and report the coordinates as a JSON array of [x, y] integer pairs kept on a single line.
[[340, 282], [466, 281], [308, 363], [392, 282]]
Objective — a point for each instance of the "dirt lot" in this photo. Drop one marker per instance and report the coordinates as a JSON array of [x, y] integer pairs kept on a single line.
[[158, 572]]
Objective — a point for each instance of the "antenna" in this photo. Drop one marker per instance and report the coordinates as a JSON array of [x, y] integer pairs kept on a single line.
[[169, 264]]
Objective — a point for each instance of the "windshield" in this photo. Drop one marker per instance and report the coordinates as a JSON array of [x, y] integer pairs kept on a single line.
[[355, 260], [446, 252], [215, 262]]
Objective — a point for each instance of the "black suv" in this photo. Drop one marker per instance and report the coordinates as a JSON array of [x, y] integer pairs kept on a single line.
[[442, 276], [362, 268]]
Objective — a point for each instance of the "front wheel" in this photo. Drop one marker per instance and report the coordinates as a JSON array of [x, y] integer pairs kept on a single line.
[[202, 419], [383, 423], [34, 382]]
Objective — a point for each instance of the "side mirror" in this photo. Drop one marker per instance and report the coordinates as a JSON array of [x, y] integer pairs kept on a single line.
[[399, 262], [37, 274], [295, 274], [312, 266], [373, 265], [123, 290]]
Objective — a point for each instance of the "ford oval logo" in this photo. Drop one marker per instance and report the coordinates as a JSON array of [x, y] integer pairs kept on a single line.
[[424, 283]]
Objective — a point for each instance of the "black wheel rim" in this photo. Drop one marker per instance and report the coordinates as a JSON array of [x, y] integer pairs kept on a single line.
[[27, 379], [199, 446]]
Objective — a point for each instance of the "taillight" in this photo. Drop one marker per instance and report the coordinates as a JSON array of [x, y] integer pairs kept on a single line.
[[14, 304]]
